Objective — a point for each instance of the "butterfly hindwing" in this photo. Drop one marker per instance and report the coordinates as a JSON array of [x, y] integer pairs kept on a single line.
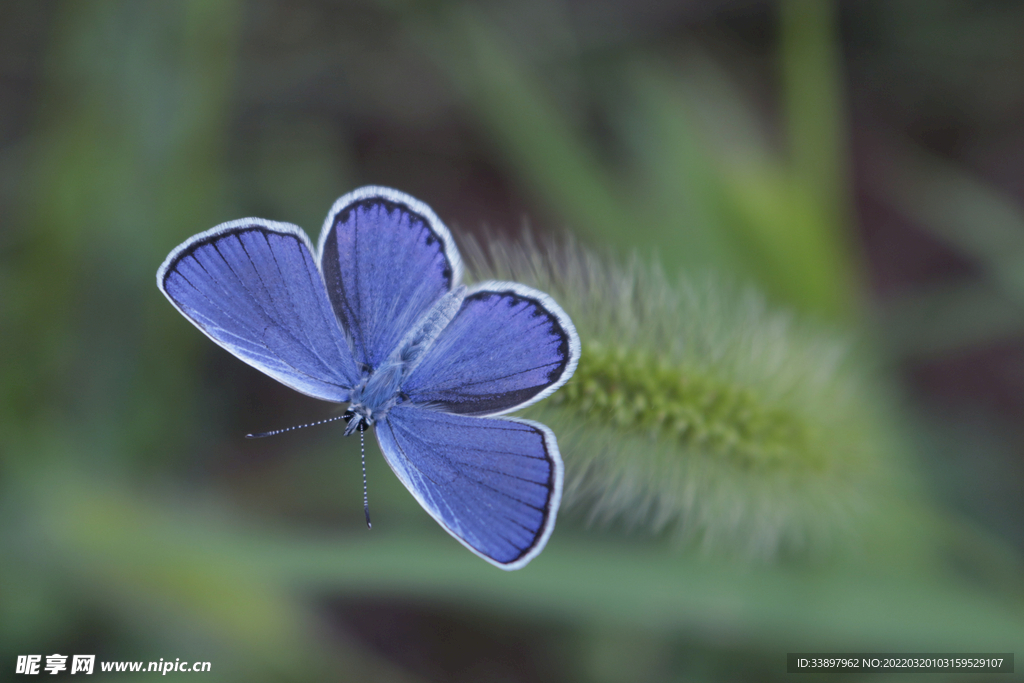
[[508, 346], [386, 259], [253, 287], [493, 483]]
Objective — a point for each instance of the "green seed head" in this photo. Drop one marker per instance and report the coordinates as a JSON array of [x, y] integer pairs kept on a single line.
[[698, 409]]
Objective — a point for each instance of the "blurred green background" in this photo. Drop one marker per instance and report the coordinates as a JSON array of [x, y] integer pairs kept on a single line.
[[860, 164]]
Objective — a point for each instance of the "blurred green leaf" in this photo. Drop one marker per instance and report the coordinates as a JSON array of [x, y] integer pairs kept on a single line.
[[679, 183], [588, 581], [959, 209], [183, 557], [814, 107], [943, 318], [173, 567], [540, 144], [976, 220], [702, 199], [127, 160]]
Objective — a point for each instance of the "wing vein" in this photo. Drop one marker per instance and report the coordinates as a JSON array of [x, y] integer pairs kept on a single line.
[[256, 341]]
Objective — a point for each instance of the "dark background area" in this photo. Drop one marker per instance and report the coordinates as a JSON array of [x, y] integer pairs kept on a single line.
[[860, 163]]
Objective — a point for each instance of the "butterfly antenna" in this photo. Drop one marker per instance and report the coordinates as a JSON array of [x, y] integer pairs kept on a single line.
[[362, 453], [260, 435]]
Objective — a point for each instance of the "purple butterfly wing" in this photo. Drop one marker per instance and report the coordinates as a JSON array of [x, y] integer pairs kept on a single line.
[[493, 483], [508, 346], [386, 259], [253, 287]]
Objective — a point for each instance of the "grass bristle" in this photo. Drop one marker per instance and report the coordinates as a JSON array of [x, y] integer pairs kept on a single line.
[[697, 408]]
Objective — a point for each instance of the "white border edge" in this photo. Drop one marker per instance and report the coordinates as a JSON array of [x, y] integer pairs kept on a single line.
[[223, 229], [397, 197], [552, 307], [554, 503]]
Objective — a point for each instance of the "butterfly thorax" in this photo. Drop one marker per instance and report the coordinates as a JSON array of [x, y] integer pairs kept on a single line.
[[380, 388], [376, 394]]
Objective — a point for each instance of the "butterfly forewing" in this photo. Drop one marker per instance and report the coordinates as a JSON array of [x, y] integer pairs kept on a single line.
[[253, 287], [493, 483], [386, 259], [508, 347]]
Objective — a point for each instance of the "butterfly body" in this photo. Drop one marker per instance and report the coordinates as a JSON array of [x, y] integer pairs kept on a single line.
[[379, 389], [377, 319]]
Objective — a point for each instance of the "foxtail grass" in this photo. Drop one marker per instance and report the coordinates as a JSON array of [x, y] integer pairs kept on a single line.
[[699, 411]]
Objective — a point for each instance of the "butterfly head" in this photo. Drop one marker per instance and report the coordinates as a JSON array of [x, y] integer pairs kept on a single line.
[[375, 395], [355, 420]]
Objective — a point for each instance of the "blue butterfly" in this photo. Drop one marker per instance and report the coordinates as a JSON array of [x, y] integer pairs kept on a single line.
[[378, 319]]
